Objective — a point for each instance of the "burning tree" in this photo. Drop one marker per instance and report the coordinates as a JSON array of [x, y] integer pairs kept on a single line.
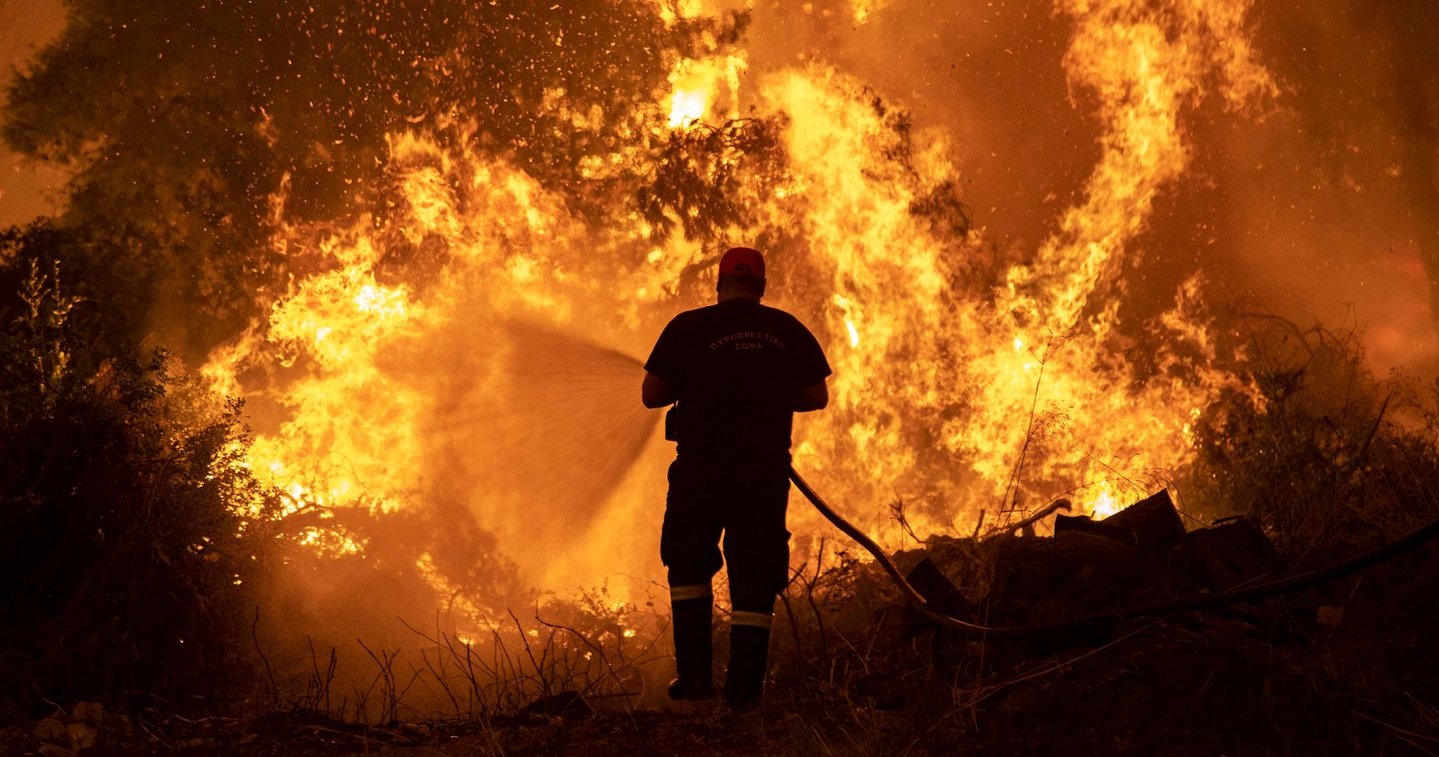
[[195, 132], [378, 206]]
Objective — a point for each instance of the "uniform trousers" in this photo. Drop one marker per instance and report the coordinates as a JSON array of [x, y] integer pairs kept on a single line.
[[739, 506]]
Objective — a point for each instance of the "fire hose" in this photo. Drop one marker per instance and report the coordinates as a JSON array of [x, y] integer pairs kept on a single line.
[[975, 632]]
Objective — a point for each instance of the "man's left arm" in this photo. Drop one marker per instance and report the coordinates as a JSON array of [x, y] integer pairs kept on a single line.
[[812, 371]]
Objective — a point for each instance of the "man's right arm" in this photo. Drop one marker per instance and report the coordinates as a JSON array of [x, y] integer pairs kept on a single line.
[[657, 391], [663, 367], [813, 367]]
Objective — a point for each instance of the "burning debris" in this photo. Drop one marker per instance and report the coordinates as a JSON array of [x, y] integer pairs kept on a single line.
[[1060, 619], [1139, 556]]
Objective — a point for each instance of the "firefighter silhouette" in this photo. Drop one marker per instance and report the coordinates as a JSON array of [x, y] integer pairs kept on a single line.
[[735, 373]]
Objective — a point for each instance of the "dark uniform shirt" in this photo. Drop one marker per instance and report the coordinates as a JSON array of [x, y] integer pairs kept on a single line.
[[737, 368]]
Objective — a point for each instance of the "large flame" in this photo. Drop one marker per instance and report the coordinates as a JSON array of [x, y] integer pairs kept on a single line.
[[407, 364]]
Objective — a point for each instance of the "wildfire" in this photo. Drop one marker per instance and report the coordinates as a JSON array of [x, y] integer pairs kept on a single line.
[[395, 385]]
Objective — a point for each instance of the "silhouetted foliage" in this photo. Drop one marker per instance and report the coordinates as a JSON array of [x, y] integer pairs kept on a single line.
[[1322, 451], [131, 537]]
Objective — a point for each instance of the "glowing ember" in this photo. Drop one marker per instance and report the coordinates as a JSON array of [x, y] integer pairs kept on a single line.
[[1103, 504], [700, 84], [688, 107], [862, 10]]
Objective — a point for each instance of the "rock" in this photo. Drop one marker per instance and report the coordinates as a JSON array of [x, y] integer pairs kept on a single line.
[[49, 729], [418, 731], [931, 584], [51, 750], [1227, 555], [948, 648], [80, 735], [938, 591], [569, 705], [89, 713]]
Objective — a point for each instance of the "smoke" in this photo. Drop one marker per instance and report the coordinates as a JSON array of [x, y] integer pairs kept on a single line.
[[989, 74], [528, 442], [1416, 50], [1325, 207]]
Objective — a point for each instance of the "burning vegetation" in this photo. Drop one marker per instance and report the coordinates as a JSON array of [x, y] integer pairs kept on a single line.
[[404, 257]]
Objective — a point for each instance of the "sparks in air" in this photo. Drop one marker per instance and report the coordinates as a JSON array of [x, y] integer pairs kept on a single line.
[[372, 375]]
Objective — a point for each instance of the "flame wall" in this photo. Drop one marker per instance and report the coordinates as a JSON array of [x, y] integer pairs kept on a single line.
[[1106, 150]]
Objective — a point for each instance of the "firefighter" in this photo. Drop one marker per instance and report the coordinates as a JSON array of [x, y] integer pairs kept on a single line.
[[735, 373]]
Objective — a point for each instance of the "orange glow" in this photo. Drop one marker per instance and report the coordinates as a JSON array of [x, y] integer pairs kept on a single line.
[[1103, 503]]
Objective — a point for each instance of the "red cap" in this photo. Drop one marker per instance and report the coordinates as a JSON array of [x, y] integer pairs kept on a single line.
[[744, 262]]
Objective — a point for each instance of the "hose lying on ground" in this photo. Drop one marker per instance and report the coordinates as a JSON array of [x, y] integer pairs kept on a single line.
[[973, 632]]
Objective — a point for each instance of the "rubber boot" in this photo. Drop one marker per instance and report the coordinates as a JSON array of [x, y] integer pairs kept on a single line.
[[748, 664], [694, 658]]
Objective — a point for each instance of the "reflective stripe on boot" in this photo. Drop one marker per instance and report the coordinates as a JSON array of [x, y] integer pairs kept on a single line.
[[694, 658], [748, 662]]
